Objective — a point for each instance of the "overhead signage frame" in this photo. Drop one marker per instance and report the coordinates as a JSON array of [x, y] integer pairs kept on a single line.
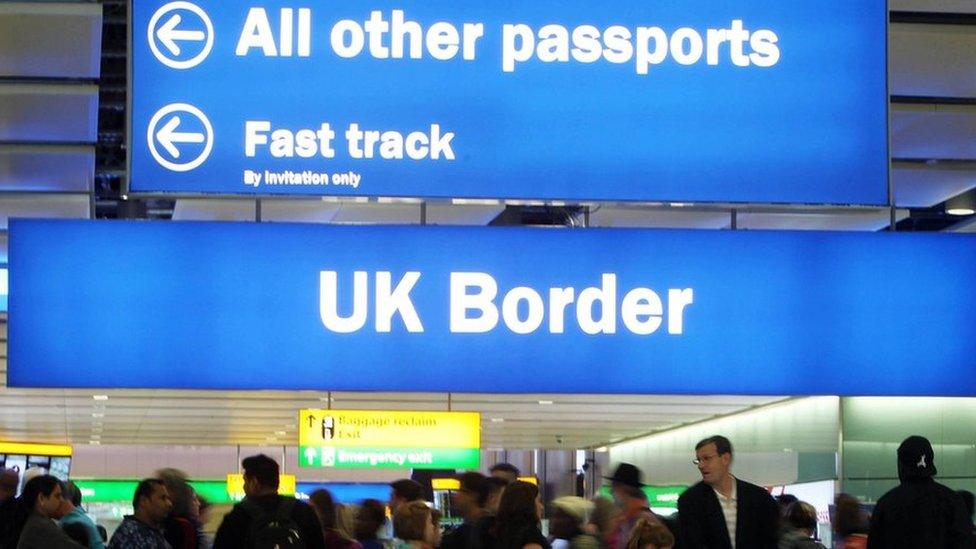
[[741, 101]]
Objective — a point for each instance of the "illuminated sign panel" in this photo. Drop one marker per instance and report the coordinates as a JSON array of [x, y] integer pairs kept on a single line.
[[490, 310], [690, 100], [388, 439]]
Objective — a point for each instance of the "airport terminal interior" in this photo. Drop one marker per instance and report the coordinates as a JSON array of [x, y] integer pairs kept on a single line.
[[222, 253]]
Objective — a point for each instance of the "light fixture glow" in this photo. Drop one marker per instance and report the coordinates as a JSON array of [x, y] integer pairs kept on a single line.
[[546, 402], [498, 420], [100, 397], [280, 433], [961, 211], [98, 415]]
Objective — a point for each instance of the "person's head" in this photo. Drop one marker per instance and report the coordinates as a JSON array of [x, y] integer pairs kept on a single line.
[[625, 486], [42, 495], [180, 491], [70, 498], [803, 517], [520, 507], [650, 535], [713, 456], [848, 518], [506, 471], [569, 516], [9, 480], [969, 500], [412, 522], [260, 475], [916, 460], [369, 517], [324, 507], [151, 501], [472, 498], [784, 501], [496, 487], [404, 491], [345, 521]]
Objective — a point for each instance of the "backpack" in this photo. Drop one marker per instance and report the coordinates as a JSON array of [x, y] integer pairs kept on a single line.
[[273, 530]]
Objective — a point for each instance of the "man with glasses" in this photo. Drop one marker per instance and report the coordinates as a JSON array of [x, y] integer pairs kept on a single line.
[[721, 511]]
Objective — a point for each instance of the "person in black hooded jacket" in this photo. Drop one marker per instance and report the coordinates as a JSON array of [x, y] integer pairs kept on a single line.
[[919, 512]]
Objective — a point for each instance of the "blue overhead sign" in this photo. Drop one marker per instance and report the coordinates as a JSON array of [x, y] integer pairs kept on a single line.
[[673, 100], [372, 308]]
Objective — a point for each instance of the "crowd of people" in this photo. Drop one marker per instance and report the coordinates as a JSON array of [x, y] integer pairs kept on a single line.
[[499, 512]]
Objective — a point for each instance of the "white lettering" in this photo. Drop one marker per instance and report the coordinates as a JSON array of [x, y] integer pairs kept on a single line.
[[462, 302], [329, 302], [392, 301]]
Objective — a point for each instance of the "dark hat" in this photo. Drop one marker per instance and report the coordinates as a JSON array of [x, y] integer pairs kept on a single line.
[[629, 475], [915, 456]]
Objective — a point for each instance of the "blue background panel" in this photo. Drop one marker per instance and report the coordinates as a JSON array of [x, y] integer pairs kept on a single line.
[[236, 306], [810, 129]]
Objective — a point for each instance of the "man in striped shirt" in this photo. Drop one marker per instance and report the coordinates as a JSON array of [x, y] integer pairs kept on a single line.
[[721, 511]]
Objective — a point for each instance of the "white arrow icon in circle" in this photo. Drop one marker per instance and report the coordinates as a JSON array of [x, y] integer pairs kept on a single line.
[[168, 35], [168, 135], [169, 138]]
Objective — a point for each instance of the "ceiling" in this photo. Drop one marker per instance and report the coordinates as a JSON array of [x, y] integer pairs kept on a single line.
[[61, 155]]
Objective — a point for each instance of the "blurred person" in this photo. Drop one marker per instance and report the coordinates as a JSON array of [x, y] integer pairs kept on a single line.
[[783, 503], [77, 533], [505, 471], [517, 523], [74, 517], [10, 511], [650, 535], [328, 512], [345, 520], [413, 526], [850, 525], [496, 487], [266, 519], [404, 491], [568, 521], [435, 519], [603, 518], [721, 511], [42, 501], [182, 528], [969, 501], [370, 517], [143, 529], [627, 485], [800, 527], [919, 512], [471, 500]]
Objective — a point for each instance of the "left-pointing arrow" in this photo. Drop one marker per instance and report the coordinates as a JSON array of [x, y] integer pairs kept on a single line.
[[167, 136], [169, 35]]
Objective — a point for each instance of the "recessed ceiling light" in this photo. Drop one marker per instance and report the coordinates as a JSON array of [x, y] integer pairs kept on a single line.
[[280, 433], [94, 442], [95, 437], [100, 397], [545, 402], [960, 211], [98, 415], [601, 449], [327, 399], [498, 420]]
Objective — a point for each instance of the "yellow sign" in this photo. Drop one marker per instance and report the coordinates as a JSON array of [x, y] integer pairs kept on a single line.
[[445, 484], [27, 449], [286, 485], [375, 429]]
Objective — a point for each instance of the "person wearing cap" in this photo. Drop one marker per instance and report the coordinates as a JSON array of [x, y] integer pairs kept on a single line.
[[569, 517], [919, 512], [721, 511], [626, 486]]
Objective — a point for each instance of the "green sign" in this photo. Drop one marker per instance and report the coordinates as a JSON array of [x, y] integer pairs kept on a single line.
[[657, 496], [122, 490], [389, 458]]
